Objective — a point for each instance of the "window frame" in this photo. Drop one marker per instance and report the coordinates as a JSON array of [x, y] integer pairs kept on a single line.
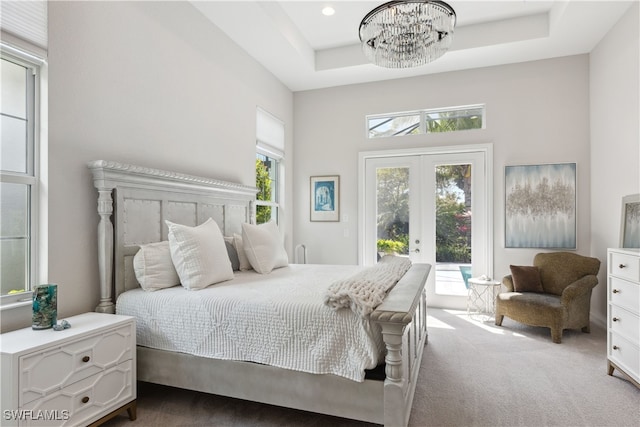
[[32, 177], [275, 188]]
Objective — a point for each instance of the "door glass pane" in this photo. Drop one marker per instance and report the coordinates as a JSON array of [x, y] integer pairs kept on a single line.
[[453, 228], [392, 185]]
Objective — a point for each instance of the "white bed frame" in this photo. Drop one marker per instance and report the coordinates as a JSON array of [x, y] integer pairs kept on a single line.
[[133, 203]]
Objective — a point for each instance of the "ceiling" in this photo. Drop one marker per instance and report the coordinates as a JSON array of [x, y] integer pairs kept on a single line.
[[307, 50]]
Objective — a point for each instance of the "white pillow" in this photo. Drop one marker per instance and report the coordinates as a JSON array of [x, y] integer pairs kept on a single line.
[[154, 268], [242, 256], [263, 247], [199, 254]]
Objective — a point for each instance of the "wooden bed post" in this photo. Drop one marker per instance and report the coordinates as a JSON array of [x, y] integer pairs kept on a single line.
[[402, 317], [395, 384], [105, 250]]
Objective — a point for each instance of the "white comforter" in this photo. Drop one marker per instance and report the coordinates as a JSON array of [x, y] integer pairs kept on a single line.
[[277, 319]]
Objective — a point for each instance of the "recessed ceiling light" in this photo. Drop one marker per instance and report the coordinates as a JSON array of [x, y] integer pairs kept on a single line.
[[328, 11]]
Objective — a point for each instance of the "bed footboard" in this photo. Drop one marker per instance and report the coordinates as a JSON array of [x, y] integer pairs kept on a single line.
[[403, 318]]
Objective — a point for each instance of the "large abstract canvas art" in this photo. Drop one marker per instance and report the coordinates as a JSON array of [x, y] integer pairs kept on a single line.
[[540, 206]]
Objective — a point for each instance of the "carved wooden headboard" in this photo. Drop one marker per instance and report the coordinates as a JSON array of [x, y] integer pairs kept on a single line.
[[135, 201]]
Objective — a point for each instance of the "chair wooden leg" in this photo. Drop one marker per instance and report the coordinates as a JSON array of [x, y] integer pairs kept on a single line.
[[499, 319], [587, 329], [556, 335]]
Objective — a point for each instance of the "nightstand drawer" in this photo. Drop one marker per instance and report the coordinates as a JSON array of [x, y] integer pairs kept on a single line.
[[624, 294], [80, 403], [47, 371], [624, 323], [624, 266]]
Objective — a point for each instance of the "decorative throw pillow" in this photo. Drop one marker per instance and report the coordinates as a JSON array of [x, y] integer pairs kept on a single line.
[[199, 254], [153, 267], [263, 247], [526, 279], [242, 256], [233, 254]]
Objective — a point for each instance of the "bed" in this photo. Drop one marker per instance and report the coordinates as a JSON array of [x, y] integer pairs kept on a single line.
[[133, 204]]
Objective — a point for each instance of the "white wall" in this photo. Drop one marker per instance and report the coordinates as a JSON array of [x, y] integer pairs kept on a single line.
[[615, 138], [537, 112], [147, 83]]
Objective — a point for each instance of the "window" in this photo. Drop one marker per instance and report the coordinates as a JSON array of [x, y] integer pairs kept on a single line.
[[426, 121], [269, 156], [267, 183], [18, 173]]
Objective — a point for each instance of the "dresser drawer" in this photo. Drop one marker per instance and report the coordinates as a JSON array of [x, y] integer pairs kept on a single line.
[[44, 372], [624, 354], [624, 294], [84, 401], [624, 323], [624, 266]]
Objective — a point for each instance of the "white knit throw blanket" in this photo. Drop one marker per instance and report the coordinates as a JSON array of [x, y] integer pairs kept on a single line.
[[365, 290]]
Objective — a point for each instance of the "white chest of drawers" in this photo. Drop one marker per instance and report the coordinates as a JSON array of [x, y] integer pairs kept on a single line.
[[82, 375], [623, 312]]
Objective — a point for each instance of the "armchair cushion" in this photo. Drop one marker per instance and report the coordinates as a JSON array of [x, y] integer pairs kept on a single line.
[[526, 279]]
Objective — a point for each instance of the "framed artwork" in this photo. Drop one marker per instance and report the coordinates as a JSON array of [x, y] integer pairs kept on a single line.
[[325, 198], [540, 206], [630, 223]]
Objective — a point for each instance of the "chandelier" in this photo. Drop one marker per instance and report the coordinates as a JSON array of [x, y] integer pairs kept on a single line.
[[409, 33]]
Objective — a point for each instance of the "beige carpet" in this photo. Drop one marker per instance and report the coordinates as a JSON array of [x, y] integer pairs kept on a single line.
[[473, 374]]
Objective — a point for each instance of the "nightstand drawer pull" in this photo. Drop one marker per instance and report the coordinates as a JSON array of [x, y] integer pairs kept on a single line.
[[622, 266], [615, 319], [615, 347], [85, 399], [616, 291], [86, 359]]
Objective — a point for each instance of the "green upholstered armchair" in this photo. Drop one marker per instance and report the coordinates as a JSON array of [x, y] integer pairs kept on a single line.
[[564, 303]]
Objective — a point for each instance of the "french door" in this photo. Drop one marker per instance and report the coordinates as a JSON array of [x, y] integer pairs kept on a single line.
[[433, 207]]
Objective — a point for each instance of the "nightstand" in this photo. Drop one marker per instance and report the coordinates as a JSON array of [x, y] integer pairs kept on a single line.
[[481, 304], [79, 376]]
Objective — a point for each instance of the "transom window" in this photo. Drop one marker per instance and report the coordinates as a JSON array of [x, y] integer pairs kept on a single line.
[[426, 121]]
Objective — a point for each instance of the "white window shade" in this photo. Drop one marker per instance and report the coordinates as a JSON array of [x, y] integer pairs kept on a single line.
[[25, 20], [269, 134]]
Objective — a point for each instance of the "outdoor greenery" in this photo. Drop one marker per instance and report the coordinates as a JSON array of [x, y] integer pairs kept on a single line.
[[453, 216], [393, 208], [263, 182], [455, 122], [453, 212], [391, 246]]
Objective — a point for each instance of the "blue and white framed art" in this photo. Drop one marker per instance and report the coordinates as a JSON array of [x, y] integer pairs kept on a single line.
[[325, 198], [540, 206]]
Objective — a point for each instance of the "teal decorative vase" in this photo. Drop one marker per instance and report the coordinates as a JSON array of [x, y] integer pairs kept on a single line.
[[45, 306]]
